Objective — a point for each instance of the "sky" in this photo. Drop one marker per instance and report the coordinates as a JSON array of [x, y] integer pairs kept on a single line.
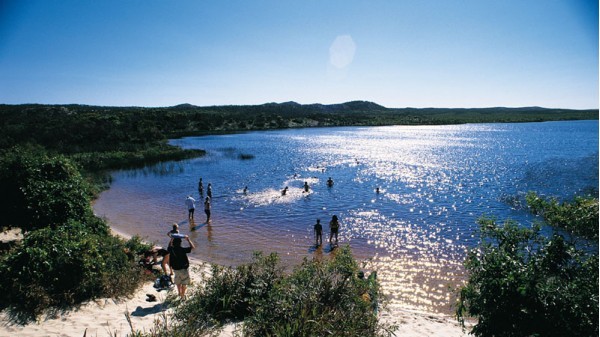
[[397, 53]]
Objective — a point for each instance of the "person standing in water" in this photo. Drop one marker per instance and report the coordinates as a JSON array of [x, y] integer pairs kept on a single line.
[[306, 187], [209, 190], [318, 233], [334, 226], [207, 209], [284, 191], [329, 182], [191, 205], [200, 188]]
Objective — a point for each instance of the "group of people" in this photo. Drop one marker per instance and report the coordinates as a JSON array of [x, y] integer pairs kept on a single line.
[[334, 226], [201, 189], [305, 187], [190, 202], [174, 259]]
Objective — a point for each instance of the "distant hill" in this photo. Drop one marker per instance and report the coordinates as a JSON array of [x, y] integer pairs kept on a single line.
[[184, 106]]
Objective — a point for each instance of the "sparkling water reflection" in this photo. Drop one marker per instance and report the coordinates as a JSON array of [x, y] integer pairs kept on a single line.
[[434, 182]]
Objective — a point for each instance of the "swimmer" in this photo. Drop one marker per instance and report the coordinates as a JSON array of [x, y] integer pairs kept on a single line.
[[284, 191], [329, 182], [306, 187]]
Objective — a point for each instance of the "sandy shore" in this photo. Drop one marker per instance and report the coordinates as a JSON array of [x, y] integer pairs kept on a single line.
[[108, 317]]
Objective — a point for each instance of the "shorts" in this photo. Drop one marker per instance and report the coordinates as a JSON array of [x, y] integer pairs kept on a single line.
[[182, 277], [334, 230]]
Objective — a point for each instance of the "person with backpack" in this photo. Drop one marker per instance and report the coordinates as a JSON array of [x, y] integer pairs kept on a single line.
[[180, 263]]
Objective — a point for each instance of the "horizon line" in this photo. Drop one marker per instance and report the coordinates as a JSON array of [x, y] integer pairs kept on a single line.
[[294, 102]]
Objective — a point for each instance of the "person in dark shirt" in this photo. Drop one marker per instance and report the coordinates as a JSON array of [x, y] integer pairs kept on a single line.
[[209, 191], [318, 233], [179, 263], [334, 226], [207, 209]]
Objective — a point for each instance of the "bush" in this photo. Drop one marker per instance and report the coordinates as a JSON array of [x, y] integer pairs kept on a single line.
[[316, 299], [68, 255], [57, 268], [319, 299], [579, 217], [40, 190], [230, 293], [523, 284]]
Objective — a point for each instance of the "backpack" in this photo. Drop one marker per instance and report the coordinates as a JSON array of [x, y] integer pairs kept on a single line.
[[163, 282]]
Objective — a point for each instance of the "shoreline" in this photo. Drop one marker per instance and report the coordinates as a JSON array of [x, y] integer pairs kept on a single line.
[[108, 316]]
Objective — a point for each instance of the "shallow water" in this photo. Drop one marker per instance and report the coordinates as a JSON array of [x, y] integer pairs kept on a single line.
[[434, 183]]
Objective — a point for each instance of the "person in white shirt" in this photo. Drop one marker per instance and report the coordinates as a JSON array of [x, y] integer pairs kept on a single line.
[[191, 205]]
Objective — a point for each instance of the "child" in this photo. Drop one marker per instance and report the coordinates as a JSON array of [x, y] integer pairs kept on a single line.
[[318, 233], [175, 230]]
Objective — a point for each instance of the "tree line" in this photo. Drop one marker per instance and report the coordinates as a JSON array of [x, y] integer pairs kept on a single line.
[[81, 128]]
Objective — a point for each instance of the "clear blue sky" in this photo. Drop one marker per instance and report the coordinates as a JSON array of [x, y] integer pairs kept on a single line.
[[398, 53]]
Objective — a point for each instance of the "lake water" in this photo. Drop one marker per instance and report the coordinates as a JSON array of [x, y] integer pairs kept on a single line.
[[434, 183]]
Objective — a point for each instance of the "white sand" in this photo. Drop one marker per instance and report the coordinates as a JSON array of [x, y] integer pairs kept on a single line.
[[107, 317]]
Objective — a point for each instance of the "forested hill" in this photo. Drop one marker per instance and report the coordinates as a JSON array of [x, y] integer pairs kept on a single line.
[[79, 128]]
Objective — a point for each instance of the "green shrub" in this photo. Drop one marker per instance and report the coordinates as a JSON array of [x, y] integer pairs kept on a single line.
[[40, 190], [55, 269], [119, 159], [579, 217], [230, 293], [318, 299], [523, 284], [315, 299]]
